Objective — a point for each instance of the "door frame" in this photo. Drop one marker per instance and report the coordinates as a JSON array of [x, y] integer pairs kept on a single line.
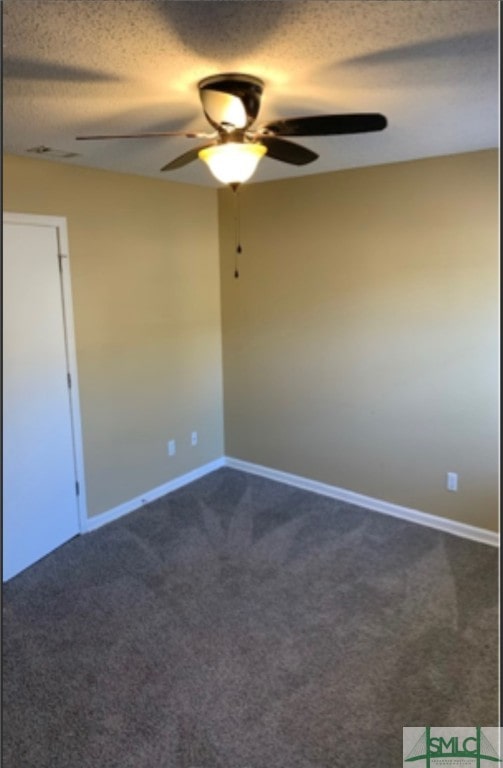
[[59, 223]]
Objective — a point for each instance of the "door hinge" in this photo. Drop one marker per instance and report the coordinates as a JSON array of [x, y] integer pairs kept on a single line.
[[77, 488], [69, 380]]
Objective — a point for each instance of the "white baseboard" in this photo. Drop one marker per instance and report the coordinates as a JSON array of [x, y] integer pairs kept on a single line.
[[92, 523], [481, 535]]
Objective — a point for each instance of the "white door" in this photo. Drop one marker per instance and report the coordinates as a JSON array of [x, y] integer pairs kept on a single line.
[[40, 510]]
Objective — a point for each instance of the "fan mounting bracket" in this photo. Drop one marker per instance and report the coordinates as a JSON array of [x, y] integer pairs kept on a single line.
[[230, 82]]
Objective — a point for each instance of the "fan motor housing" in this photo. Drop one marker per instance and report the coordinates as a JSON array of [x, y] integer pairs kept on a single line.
[[247, 88]]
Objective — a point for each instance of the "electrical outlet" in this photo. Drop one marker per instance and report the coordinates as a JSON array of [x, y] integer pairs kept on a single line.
[[193, 438], [171, 448], [452, 481]]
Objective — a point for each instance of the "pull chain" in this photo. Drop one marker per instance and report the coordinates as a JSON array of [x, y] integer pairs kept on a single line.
[[237, 223]]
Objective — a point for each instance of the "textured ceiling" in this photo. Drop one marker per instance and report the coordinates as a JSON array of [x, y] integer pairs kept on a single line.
[[75, 67]]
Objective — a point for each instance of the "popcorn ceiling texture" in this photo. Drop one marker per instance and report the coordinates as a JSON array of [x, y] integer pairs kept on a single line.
[[129, 65]]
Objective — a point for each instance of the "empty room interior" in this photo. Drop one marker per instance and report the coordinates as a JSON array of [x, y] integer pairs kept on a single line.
[[251, 382]]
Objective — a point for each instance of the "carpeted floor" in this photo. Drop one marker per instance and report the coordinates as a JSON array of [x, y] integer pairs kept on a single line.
[[240, 623]]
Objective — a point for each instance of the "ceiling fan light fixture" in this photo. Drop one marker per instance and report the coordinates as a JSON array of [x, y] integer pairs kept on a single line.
[[232, 162]]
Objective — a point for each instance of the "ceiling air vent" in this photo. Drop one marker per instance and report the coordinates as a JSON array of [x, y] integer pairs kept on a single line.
[[43, 150]]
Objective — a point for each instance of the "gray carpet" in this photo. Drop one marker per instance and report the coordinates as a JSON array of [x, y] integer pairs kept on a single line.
[[240, 623]]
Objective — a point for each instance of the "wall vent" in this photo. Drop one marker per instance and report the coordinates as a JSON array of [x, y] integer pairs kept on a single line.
[[43, 150]]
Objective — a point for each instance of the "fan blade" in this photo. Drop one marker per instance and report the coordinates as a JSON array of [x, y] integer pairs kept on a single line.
[[185, 159], [327, 125], [187, 134], [287, 151]]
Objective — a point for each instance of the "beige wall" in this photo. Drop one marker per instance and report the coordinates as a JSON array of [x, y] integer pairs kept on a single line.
[[144, 267], [360, 342]]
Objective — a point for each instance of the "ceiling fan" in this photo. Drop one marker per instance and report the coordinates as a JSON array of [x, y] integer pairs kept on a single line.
[[231, 103]]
